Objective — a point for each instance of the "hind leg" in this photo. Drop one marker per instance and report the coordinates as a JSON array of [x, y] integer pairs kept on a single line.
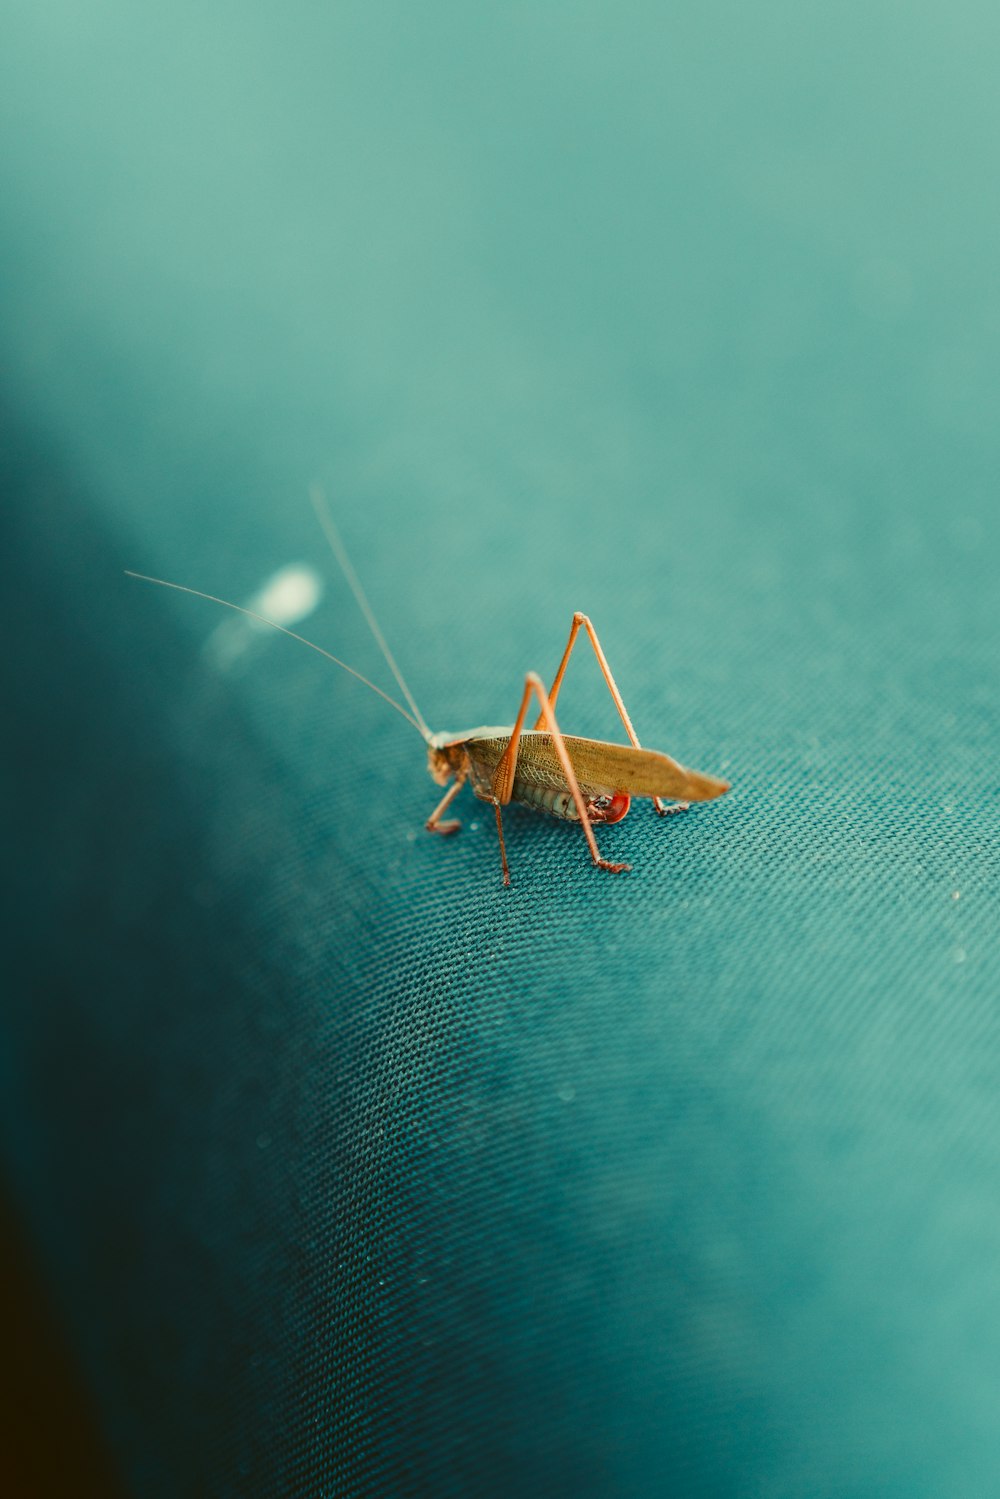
[[503, 776], [602, 661]]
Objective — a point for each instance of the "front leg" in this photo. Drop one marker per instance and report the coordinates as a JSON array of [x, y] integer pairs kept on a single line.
[[434, 823]]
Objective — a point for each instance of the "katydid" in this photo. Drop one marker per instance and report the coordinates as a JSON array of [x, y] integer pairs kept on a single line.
[[588, 781]]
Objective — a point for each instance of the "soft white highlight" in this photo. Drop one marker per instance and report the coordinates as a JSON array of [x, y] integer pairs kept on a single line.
[[289, 595]]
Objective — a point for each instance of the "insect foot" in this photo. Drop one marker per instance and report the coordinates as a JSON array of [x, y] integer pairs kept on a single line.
[[444, 828], [668, 811]]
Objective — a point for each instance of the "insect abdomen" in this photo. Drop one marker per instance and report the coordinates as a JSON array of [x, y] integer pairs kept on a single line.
[[538, 788], [558, 802]]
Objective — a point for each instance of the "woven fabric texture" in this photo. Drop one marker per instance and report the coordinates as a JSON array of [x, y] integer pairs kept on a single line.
[[354, 1173]]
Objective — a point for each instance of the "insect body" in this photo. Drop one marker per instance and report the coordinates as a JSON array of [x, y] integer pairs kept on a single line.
[[579, 780], [538, 780]]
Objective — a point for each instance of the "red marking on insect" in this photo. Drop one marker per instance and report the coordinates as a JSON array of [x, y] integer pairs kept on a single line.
[[609, 808]]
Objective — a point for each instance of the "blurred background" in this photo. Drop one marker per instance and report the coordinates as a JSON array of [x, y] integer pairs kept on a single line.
[[684, 314]]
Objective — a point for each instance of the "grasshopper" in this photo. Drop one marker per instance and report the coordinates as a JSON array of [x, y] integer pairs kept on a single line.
[[587, 781]]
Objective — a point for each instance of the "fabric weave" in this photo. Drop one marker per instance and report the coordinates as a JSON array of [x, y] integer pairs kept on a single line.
[[354, 1173]]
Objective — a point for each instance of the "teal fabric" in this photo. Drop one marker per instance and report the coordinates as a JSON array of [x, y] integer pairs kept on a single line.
[[354, 1173]]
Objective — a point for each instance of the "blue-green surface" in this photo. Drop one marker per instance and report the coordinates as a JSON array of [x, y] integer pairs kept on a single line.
[[355, 1173]]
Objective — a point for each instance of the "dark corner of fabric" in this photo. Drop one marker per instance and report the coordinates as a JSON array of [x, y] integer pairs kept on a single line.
[[124, 928]]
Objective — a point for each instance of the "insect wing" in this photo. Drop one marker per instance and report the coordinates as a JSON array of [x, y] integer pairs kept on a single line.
[[601, 768]]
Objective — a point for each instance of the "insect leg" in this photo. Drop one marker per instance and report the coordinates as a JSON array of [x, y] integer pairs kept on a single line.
[[503, 776], [574, 630], [503, 846], [434, 823]]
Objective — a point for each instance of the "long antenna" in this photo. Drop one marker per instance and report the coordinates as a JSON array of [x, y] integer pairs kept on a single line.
[[325, 519], [262, 619]]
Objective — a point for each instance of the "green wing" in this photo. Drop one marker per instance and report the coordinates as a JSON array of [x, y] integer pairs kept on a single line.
[[602, 769]]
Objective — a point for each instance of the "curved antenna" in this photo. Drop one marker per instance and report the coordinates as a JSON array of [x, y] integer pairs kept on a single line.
[[424, 732], [325, 519]]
